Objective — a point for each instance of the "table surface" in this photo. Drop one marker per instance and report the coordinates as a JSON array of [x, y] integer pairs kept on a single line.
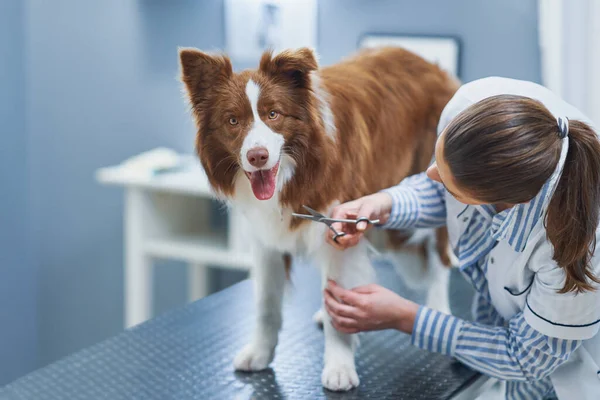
[[187, 353]]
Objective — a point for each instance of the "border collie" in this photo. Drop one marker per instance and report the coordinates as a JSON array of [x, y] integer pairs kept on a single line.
[[290, 134]]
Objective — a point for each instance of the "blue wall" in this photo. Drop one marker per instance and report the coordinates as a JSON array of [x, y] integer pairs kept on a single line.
[[499, 37], [100, 83], [17, 275]]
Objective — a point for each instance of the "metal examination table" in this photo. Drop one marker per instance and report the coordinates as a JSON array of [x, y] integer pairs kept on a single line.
[[187, 354]]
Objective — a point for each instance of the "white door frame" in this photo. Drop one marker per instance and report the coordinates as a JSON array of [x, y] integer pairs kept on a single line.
[[550, 24], [569, 35], [593, 92]]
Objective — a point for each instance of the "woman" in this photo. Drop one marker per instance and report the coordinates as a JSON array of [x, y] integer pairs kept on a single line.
[[517, 182]]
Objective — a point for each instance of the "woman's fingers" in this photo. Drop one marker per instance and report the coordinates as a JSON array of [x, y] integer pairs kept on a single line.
[[347, 314], [351, 236], [352, 240], [346, 296], [366, 211], [366, 207], [366, 289], [341, 323], [354, 211], [335, 307], [344, 211], [344, 329], [343, 242]]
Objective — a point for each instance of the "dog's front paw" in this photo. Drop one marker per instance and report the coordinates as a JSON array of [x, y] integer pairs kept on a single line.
[[253, 358], [339, 377]]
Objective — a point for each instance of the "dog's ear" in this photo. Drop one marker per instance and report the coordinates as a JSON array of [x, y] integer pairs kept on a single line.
[[291, 65], [202, 72]]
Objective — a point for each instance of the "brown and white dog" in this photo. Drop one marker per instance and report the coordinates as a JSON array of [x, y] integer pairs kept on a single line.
[[290, 134]]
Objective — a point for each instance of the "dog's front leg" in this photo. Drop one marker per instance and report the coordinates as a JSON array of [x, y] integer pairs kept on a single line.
[[268, 275], [438, 291], [349, 268]]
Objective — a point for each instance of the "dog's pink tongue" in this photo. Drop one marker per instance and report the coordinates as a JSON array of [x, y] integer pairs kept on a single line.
[[263, 183]]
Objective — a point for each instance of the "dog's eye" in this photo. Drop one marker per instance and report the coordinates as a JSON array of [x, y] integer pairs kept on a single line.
[[233, 121], [273, 114]]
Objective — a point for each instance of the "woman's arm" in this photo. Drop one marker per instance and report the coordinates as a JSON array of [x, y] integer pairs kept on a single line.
[[417, 202], [515, 352]]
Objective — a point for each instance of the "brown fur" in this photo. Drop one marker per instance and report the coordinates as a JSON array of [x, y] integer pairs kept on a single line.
[[287, 264], [386, 104]]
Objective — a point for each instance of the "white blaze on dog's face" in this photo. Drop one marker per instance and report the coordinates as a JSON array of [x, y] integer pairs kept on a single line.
[[261, 149], [256, 124]]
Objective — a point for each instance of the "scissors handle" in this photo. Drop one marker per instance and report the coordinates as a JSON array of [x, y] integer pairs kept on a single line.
[[337, 234], [367, 220], [351, 221]]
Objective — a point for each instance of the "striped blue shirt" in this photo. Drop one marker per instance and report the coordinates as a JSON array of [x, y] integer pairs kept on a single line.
[[508, 350]]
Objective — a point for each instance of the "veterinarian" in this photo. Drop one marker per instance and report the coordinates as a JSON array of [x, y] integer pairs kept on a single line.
[[517, 183]]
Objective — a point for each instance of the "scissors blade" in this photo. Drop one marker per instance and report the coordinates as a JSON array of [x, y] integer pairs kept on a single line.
[[304, 216], [350, 221], [314, 212], [318, 217], [332, 220]]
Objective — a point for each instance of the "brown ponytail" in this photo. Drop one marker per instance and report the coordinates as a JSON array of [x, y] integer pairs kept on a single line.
[[504, 148], [574, 210]]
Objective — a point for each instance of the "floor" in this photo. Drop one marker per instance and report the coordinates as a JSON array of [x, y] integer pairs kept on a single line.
[[496, 392]]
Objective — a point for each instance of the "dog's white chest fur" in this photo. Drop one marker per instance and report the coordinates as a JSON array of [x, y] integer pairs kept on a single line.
[[268, 223]]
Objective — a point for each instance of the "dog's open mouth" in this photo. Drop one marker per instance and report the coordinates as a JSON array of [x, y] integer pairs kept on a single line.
[[263, 182]]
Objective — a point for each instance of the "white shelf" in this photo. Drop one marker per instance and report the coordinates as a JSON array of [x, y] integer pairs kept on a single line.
[[190, 180], [198, 249], [167, 215]]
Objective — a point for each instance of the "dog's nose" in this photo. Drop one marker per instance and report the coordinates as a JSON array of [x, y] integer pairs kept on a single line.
[[258, 157]]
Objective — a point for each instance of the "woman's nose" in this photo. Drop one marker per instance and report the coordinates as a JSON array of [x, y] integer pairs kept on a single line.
[[433, 174]]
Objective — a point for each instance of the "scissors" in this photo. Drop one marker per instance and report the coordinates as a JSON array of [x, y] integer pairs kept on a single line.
[[318, 217]]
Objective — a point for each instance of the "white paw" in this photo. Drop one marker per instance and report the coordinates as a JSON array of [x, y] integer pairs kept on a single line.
[[318, 317], [253, 358], [339, 377]]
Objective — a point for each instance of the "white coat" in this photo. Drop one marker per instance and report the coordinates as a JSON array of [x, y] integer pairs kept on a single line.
[[528, 281]]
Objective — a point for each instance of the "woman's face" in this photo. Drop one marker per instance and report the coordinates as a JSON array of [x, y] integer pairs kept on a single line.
[[440, 172]]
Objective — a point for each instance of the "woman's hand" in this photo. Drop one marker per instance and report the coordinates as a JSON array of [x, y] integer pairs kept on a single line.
[[368, 308], [375, 206]]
